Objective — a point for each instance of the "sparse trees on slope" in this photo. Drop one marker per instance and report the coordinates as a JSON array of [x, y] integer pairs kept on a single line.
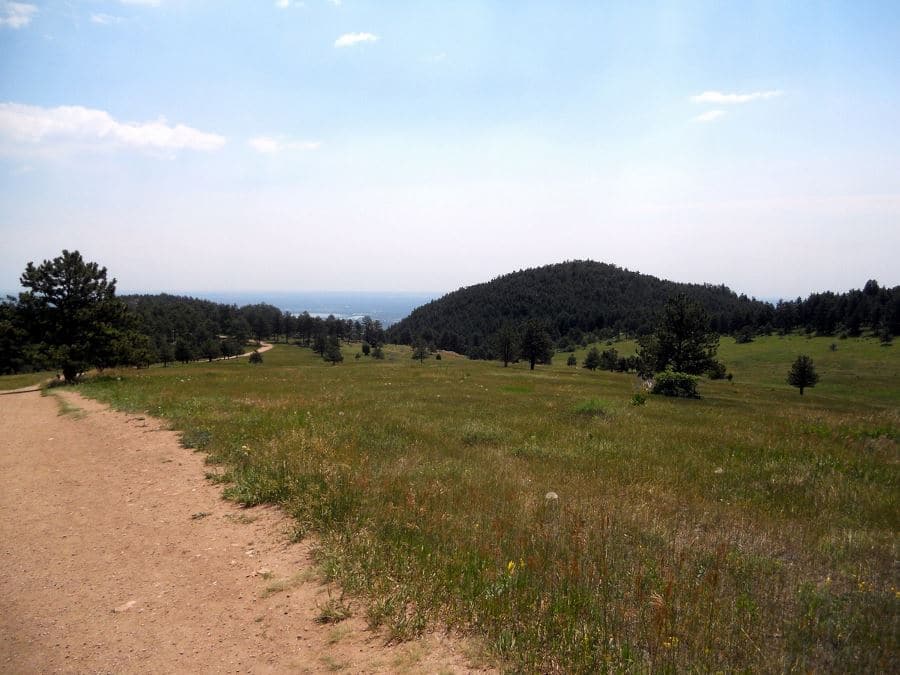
[[803, 374]]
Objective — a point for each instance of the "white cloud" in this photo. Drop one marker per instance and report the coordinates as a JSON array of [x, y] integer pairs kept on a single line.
[[268, 145], [147, 3], [350, 39], [336, 3], [75, 127], [285, 4], [721, 98], [17, 14], [105, 19], [709, 116]]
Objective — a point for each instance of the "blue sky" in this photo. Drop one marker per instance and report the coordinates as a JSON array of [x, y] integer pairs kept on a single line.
[[215, 144]]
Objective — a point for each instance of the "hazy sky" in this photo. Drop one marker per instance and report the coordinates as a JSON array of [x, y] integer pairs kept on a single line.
[[347, 145]]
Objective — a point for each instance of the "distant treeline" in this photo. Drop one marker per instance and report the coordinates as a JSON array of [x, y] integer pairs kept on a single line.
[[581, 301], [188, 326], [176, 328]]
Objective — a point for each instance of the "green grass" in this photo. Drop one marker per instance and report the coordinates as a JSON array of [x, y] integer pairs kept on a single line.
[[9, 382], [752, 529]]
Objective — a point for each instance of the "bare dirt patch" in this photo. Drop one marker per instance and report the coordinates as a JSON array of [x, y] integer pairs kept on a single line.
[[118, 556]]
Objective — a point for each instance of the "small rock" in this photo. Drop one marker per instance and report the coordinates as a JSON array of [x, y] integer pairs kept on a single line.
[[263, 571], [124, 608]]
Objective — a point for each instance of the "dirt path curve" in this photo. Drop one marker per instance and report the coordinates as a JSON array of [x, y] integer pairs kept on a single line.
[[263, 347], [119, 556]]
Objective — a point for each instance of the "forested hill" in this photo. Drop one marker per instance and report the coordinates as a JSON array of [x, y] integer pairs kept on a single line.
[[579, 297], [572, 298]]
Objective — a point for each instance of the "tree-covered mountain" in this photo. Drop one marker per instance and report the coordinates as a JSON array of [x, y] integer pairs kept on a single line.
[[582, 296]]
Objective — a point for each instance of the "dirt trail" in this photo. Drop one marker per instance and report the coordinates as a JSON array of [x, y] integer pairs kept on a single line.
[[119, 556]]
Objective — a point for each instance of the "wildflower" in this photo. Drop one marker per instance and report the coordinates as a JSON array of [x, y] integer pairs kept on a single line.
[[511, 567]]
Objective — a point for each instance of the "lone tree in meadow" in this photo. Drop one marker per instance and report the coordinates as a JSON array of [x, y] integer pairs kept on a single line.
[[683, 340], [536, 345], [71, 312], [255, 357], [803, 374], [420, 350]]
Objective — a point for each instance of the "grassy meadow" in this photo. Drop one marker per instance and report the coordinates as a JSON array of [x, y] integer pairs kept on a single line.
[[9, 382], [570, 528]]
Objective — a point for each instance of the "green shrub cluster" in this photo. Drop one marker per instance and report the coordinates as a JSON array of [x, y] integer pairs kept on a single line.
[[671, 383]]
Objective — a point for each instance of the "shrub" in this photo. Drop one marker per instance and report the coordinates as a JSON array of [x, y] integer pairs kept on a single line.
[[256, 357], [571, 361], [670, 383], [744, 336], [716, 371], [437, 356], [639, 398]]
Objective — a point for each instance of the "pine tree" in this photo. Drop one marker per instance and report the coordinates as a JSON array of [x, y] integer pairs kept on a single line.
[[683, 341], [536, 345], [332, 352], [71, 311], [803, 374], [592, 360], [420, 351]]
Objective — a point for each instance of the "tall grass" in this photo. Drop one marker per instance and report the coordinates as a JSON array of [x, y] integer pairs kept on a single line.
[[752, 529]]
